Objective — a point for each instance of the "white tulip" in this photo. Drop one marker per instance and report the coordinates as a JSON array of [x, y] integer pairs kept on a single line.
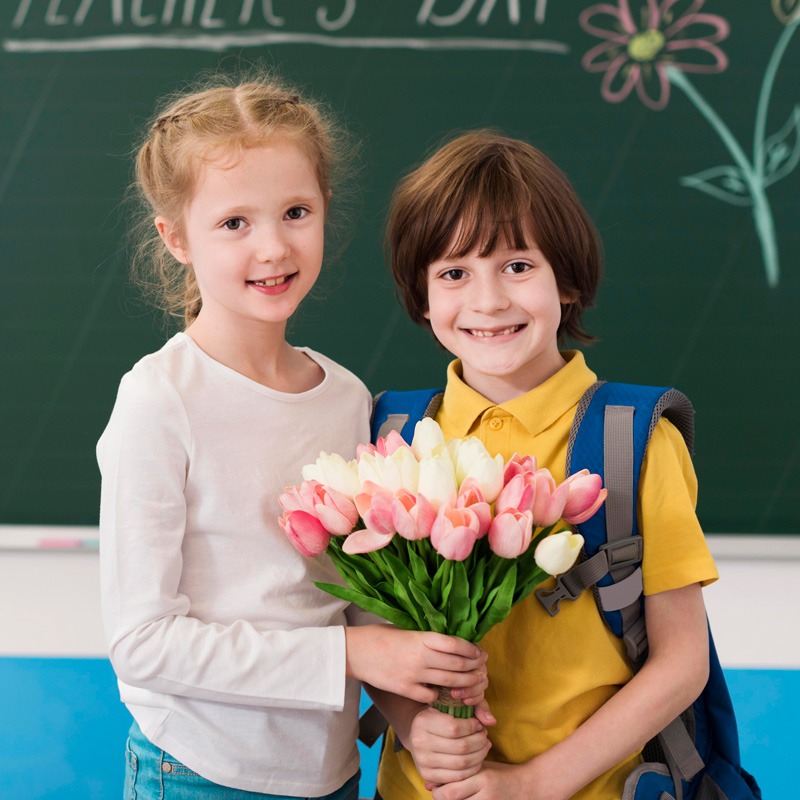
[[331, 470], [465, 453], [428, 438], [437, 480], [397, 471], [557, 552], [488, 472]]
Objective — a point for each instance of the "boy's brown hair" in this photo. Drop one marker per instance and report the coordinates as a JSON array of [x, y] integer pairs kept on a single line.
[[488, 189]]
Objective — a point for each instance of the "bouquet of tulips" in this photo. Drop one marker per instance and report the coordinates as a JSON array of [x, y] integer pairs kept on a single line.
[[438, 535]]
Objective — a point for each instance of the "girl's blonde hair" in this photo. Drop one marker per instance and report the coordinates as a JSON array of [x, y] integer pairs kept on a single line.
[[219, 118]]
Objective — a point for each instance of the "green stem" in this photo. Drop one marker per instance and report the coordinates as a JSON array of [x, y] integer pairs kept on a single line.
[[765, 95], [753, 177]]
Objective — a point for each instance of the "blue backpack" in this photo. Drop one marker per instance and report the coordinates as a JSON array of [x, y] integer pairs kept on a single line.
[[696, 757]]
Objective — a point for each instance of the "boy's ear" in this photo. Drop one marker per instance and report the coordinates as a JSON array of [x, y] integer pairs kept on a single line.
[[172, 239]]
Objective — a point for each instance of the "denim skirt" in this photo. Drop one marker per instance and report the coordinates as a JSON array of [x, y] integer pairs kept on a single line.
[[152, 774]]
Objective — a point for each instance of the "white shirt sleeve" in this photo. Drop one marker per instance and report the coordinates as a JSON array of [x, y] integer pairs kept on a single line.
[[154, 641]]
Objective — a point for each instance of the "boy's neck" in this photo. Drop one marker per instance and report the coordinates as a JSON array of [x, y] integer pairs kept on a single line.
[[503, 388]]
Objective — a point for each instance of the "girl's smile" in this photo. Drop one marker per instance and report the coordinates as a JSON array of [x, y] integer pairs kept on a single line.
[[253, 234]]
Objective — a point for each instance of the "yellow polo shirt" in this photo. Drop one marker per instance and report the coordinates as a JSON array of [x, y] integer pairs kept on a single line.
[[549, 674]]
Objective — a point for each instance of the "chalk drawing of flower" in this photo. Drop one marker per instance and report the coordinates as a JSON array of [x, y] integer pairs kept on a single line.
[[787, 11], [637, 53], [654, 52]]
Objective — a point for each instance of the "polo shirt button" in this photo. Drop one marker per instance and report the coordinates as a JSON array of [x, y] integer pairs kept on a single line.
[[166, 766], [495, 423]]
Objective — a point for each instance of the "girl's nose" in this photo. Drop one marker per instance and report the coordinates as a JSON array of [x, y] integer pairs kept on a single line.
[[272, 246]]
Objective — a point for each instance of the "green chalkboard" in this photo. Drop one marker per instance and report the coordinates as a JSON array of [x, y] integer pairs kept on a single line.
[[680, 133]]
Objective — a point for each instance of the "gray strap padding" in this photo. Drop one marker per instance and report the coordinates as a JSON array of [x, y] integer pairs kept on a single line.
[[680, 749], [393, 422], [618, 468], [620, 595]]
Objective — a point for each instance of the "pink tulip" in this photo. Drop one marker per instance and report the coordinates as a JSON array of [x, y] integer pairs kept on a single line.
[[305, 532], [585, 496], [337, 513], [365, 541], [374, 505], [412, 515], [384, 447], [470, 496], [455, 532], [510, 533], [299, 498], [518, 464], [548, 499], [517, 494]]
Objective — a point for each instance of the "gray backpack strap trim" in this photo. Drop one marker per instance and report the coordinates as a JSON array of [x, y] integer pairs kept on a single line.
[[393, 422], [680, 750], [433, 407]]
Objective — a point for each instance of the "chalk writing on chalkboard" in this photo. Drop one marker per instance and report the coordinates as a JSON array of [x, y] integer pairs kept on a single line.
[[656, 52], [91, 25]]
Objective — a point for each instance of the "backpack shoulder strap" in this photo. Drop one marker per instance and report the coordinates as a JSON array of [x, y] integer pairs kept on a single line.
[[401, 411], [609, 436]]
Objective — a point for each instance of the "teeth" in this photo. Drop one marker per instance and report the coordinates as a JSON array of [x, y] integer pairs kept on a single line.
[[489, 334], [270, 281]]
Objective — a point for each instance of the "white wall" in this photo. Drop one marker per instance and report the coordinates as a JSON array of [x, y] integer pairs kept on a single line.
[[49, 597]]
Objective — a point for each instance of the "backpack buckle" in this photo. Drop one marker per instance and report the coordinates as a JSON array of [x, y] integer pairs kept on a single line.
[[551, 598], [623, 553]]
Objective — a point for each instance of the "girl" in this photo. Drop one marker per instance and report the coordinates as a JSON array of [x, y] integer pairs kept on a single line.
[[239, 673]]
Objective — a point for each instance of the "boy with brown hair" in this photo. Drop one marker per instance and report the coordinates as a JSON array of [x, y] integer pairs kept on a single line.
[[492, 249]]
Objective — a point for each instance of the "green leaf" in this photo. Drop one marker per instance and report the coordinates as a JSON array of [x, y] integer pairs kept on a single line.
[[458, 602], [437, 585], [418, 568], [393, 615], [499, 607], [436, 620]]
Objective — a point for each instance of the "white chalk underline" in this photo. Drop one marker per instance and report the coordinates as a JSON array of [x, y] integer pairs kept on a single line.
[[219, 42]]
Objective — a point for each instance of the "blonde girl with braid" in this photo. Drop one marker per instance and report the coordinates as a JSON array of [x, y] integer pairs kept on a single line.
[[241, 676]]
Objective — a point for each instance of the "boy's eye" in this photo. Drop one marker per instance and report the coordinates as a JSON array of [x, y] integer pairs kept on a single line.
[[298, 212], [454, 274], [234, 224], [518, 267]]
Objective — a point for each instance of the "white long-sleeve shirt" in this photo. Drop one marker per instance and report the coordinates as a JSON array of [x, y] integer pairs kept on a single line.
[[227, 655]]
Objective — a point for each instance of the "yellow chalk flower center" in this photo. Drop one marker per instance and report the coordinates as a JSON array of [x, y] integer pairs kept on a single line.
[[645, 46]]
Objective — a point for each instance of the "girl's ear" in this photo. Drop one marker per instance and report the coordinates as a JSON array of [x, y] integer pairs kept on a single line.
[[172, 239]]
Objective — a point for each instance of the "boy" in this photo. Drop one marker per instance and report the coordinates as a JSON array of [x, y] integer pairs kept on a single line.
[[491, 248]]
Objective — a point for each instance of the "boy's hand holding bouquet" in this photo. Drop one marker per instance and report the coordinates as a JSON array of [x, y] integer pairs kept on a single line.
[[438, 536]]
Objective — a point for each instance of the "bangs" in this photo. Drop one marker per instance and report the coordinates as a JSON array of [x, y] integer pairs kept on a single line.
[[495, 206]]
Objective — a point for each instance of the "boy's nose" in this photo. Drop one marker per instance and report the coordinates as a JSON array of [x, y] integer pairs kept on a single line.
[[489, 295]]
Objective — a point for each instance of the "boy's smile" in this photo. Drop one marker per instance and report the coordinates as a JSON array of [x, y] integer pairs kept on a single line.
[[500, 314]]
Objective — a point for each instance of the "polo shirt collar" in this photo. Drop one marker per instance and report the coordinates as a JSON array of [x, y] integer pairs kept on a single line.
[[536, 410]]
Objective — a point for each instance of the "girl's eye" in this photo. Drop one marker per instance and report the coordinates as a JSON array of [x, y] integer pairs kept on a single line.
[[518, 267], [454, 274], [296, 213], [234, 224]]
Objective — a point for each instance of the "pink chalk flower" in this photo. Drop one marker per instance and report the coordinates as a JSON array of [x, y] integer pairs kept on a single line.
[[637, 49]]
